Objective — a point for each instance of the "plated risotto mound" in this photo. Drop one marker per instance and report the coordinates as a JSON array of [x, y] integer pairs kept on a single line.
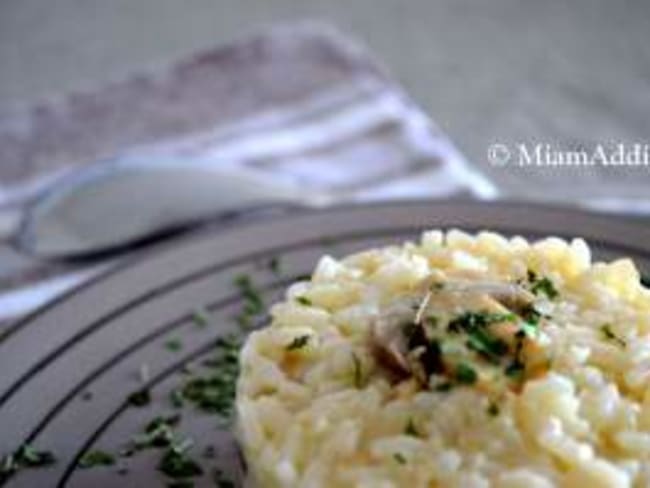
[[462, 361]]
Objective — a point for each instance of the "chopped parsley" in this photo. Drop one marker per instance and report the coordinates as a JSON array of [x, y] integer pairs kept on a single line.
[[399, 457], [410, 429], [214, 392], [252, 303], [174, 345], [176, 463], [304, 301], [200, 318], [542, 285], [481, 341], [298, 343], [159, 432], [465, 374], [95, 458], [470, 321], [24, 457], [176, 398], [609, 334], [139, 398]]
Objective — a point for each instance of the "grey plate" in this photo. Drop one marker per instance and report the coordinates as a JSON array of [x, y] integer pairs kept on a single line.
[[97, 337]]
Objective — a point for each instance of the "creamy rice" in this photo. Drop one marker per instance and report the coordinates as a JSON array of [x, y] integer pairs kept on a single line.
[[317, 407]]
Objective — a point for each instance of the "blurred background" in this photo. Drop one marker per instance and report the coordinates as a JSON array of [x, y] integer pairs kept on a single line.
[[486, 71], [425, 91]]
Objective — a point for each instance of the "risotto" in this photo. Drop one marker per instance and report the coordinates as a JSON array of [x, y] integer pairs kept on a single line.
[[463, 360]]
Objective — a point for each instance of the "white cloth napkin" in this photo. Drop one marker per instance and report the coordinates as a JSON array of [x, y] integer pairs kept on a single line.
[[360, 140], [299, 106]]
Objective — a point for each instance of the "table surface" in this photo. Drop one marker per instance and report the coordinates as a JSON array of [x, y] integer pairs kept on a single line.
[[502, 71]]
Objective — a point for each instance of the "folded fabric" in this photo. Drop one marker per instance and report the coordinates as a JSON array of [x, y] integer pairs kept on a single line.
[[299, 107]]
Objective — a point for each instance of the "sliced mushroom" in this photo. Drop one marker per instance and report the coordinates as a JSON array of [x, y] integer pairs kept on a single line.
[[400, 339], [402, 346], [513, 296], [389, 342]]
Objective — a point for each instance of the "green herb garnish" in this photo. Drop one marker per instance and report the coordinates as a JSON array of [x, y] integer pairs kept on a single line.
[[174, 345], [542, 285], [470, 321], [481, 341], [24, 457], [200, 318], [176, 398], [175, 463], [609, 334], [159, 432], [304, 301], [139, 398], [410, 429], [465, 374], [399, 457], [252, 303], [214, 392], [298, 343], [95, 458]]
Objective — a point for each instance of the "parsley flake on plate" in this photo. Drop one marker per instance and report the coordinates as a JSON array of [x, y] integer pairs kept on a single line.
[[26, 456], [97, 457]]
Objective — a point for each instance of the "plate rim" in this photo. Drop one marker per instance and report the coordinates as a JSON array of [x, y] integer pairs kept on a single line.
[[210, 229]]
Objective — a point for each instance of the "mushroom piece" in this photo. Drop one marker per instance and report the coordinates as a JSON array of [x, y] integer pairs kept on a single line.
[[388, 338], [399, 337], [511, 295], [402, 346]]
